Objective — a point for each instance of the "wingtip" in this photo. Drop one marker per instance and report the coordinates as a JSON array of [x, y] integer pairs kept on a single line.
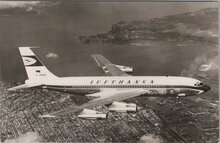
[[9, 89], [95, 55], [46, 116], [25, 47]]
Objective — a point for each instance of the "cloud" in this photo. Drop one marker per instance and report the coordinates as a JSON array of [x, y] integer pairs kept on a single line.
[[29, 137], [149, 139], [194, 66], [202, 64], [17, 4], [52, 55]]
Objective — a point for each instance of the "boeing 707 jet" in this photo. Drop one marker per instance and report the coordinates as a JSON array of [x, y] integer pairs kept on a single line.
[[111, 89]]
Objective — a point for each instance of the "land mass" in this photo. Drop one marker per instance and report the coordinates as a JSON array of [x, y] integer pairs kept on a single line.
[[201, 25]]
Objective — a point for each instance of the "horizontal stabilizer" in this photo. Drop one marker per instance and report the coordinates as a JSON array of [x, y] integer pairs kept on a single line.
[[23, 86], [18, 87]]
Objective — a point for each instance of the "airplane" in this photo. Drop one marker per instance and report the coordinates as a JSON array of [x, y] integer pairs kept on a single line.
[[111, 89]]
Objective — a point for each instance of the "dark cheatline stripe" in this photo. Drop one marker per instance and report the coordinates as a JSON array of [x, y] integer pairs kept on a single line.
[[37, 63], [124, 86]]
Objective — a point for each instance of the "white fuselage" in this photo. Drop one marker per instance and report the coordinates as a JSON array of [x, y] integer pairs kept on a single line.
[[154, 85]]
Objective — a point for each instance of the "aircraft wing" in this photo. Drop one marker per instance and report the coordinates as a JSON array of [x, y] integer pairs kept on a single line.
[[105, 97], [108, 67]]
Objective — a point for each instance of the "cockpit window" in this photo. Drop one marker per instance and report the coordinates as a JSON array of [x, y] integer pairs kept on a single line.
[[199, 84]]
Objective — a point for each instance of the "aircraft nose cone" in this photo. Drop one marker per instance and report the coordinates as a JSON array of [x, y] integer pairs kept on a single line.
[[206, 88]]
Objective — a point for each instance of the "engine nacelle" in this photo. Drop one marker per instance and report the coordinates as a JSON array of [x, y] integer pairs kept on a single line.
[[91, 114], [125, 68], [123, 107]]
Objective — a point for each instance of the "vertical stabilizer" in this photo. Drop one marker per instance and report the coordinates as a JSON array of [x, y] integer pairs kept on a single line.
[[36, 70]]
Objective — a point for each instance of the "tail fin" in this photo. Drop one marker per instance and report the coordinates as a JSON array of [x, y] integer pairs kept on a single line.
[[36, 70]]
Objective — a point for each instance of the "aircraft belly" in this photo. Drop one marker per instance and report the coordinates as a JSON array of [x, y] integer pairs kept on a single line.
[[84, 91], [76, 90]]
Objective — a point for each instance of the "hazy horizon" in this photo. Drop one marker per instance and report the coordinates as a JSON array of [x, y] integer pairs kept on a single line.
[[55, 30]]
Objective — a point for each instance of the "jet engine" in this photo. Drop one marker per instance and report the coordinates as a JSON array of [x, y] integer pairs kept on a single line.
[[123, 107], [125, 68], [91, 114]]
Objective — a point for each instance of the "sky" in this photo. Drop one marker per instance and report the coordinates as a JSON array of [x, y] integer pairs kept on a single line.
[[124, 10], [56, 28], [101, 15]]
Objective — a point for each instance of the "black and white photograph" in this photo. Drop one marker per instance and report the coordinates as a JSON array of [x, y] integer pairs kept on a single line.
[[132, 72]]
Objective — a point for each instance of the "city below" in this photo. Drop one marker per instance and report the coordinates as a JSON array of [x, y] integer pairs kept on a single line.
[[165, 119]]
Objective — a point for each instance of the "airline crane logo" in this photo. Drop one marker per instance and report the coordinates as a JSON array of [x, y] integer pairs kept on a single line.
[[28, 61], [31, 61]]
